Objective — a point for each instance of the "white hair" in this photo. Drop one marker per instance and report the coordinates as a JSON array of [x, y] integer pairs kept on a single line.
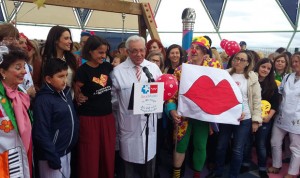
[[134, 38]]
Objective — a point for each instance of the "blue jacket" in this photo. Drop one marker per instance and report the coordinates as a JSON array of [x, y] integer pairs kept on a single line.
[[56, 125]]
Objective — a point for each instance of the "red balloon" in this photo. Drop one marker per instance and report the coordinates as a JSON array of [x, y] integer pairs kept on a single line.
[[170, 85], [232, 47], [223, 43]]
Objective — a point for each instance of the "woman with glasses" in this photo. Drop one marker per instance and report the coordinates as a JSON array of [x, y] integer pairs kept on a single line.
[[157, 58], [250, 119]]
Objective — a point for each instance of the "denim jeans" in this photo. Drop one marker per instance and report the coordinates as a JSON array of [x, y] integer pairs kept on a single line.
[[240, 135], [261, 137]]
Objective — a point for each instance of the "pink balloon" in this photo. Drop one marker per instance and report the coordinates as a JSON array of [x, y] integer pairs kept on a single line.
[[223, 43], [232, 47], [170, 85]]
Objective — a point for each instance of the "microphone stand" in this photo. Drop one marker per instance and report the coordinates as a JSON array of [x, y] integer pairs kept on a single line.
[[147, 135]]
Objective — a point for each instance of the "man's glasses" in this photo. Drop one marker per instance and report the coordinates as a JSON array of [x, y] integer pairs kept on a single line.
[[137, 51]]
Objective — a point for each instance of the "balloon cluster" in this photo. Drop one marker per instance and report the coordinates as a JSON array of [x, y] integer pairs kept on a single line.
[[230, 47], [170, 85]]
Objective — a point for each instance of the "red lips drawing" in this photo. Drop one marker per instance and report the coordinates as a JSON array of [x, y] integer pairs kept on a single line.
[[212, 99]]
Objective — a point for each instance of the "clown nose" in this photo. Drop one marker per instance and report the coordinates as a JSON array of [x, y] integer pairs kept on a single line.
[[194, 51]]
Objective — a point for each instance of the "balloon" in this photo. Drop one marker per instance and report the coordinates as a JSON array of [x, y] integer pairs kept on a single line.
[[223, 43], [277, 83], [170, 85], [265, 108], [231, 48]]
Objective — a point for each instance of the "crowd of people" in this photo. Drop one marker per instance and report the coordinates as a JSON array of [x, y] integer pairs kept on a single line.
[[64, 112]]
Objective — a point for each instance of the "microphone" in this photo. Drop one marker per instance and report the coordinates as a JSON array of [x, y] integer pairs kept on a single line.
[[148, 74]]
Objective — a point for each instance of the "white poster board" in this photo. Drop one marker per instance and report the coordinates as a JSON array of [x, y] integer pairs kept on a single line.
[[148, 98]]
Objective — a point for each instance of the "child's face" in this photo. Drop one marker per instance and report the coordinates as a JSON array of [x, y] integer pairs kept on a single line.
[[116, 61], [58, 80]]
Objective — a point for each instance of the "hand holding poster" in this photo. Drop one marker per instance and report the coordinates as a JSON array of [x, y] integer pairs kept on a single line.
[[209, 94]]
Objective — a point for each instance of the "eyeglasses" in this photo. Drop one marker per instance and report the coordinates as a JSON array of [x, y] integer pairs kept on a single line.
[[155, 61], [237, 59], [137, 51]]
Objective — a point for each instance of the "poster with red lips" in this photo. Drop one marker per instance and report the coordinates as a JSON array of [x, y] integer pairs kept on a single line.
[[209, 94]]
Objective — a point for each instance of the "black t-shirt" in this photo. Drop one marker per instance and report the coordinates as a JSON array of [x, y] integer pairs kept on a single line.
[[97, 87], [273, 100], [170, 70]]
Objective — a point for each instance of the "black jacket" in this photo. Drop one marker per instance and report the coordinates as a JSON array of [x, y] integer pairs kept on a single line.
[[56, 125]]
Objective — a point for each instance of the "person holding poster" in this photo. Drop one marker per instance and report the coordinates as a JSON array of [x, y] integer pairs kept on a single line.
[[247, 81], [270, 103], [288, 121], [200, 54], [131, 133]]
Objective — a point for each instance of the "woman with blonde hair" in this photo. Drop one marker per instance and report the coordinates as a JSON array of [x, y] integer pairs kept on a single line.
[[35, 60], [157, 58], [281, 63]]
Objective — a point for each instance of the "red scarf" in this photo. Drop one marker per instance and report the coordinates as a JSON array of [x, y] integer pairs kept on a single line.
[[20, 104]]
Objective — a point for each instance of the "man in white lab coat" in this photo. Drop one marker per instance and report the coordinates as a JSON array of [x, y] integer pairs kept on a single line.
[[131, 127]]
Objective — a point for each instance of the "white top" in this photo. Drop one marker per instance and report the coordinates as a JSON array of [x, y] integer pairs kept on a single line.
[[242, 83], [288, 118], [131, 134]]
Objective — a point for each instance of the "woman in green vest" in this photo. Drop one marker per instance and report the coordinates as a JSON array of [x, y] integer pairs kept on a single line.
[[281, 63]]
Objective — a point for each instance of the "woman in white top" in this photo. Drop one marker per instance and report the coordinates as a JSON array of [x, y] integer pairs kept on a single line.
[[288, 121], [250, 119]]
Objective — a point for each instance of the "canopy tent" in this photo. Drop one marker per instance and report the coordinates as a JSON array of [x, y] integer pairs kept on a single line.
[[261, 23]]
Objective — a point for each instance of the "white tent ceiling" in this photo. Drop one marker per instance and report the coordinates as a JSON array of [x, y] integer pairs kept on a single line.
[[261, 23]]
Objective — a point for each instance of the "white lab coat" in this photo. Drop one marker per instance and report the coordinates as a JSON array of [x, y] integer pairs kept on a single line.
[[131, 134], [288, 118]]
